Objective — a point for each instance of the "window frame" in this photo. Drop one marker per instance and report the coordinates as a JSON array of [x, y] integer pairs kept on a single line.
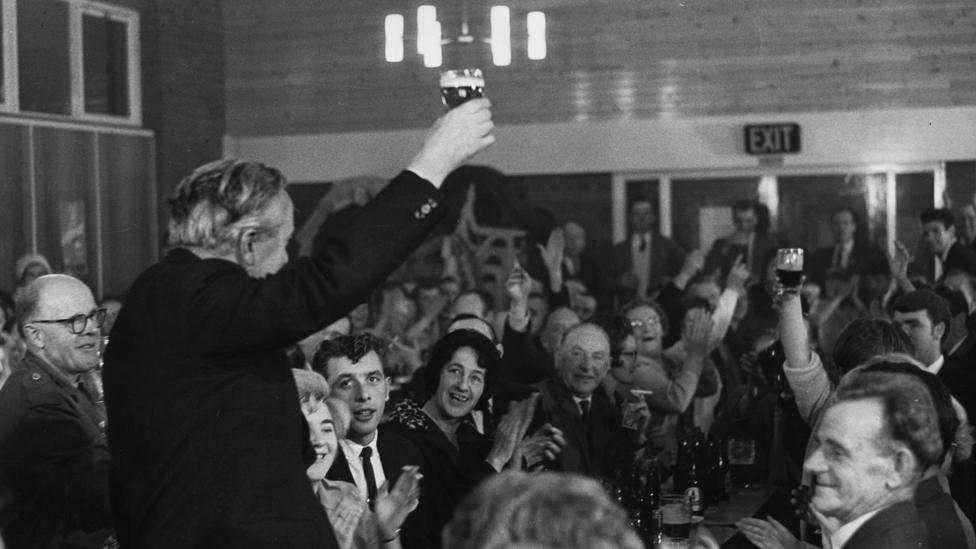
[[77, 9]]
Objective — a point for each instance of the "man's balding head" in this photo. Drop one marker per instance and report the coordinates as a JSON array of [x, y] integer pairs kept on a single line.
[[44, 309]]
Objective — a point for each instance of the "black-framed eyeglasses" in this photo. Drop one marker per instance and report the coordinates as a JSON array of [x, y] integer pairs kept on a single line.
[[78, 322]]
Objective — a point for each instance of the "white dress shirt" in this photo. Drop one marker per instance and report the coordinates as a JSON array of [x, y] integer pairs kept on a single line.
[[936, 366], [352, 450]]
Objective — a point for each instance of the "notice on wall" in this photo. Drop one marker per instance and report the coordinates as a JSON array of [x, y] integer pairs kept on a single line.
[[74, 241]]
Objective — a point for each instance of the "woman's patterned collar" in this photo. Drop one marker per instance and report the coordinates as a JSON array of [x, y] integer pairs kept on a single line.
[[410, 414]]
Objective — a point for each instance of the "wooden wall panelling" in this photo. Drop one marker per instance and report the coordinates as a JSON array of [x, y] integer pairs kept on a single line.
[[127, 187], [312, 66], [15, 230], [66, 201]]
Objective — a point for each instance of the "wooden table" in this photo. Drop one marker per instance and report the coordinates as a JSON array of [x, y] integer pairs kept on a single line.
[[720, 519]]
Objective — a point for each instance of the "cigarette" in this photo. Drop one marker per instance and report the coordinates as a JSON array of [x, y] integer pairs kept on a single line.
[[641, 392]]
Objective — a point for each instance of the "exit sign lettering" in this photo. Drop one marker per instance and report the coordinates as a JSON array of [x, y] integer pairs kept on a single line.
[[772, 138]]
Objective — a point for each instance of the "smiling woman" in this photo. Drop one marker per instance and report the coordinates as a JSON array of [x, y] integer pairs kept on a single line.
[[456, 455]]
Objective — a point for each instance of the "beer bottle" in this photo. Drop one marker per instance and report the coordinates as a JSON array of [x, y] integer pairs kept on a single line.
[[652, 501], [683, 463], [722, 483], [694, 491], [634, 497]]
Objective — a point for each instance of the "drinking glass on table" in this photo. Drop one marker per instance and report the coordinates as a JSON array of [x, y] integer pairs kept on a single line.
[[742, 456], [789, 267], [460, 85], [675, 516]]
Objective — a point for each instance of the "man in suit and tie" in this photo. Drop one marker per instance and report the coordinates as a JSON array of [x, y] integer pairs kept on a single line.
[[849, 252], [873, 447], [370, 456], [925, 317], [642, 262], [946, 252], [573, 401]]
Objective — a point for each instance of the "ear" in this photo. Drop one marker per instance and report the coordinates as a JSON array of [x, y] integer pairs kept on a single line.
[[389, 383], [245, 248], [33, 336], [904, 468], [939, 330]]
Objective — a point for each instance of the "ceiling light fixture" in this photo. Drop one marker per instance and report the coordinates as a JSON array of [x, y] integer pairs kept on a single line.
[[430, 39]]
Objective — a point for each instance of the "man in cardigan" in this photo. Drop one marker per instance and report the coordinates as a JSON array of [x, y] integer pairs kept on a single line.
[[209, 444]]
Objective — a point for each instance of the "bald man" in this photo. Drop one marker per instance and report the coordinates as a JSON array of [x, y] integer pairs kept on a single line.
[[54, 460]]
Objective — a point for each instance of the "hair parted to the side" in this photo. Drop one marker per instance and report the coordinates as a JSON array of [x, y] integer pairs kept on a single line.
[[541, 511], [354, 347], [909, 411], [212, 206]]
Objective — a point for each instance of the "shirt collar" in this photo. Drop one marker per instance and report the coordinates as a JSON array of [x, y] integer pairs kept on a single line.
[[843, 534], [936, 366], [636, 239], [357, 449]]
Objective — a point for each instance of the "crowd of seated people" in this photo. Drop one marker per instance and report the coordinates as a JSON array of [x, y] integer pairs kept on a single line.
[[431, 404]]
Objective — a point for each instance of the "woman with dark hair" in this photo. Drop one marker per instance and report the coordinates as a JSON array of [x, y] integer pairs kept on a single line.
[[456, 457]]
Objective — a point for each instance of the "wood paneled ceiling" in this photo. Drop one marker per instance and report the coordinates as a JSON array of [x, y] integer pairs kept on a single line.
[[316, 66]]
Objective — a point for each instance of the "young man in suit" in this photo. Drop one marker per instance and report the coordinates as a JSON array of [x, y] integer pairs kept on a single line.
[[370, 456], [641, 262], [209, 444], [948, 253], [926, 318]]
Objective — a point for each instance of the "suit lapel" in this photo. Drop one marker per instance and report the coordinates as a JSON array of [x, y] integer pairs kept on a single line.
[[571, 413], [340, 468]]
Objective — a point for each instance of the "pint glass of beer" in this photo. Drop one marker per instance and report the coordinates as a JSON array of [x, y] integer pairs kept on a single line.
[[789, 266], [675, 516], [460, 85]]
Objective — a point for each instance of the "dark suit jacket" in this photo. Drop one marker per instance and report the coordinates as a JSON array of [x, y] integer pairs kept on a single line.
[[54, 461], [450, 473], [209, 444], [938, 511], [960, 257], [666, 260], [822, 260], [593, 450], [960, 378], [395, 452], [895, 527]]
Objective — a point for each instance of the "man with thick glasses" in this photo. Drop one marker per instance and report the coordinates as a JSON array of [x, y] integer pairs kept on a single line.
[[54, 460]]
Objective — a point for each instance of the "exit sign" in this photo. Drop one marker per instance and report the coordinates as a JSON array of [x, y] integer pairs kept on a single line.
[[772, 138]]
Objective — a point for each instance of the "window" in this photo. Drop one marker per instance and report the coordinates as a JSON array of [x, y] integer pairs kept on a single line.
[[71, 58]]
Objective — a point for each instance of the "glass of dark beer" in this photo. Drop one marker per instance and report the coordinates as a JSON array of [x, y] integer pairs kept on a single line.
[[789, 267], [675, 516], [460, 85]]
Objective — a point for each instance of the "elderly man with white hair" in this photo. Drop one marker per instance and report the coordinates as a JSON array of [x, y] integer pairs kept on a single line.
[[209, 445]]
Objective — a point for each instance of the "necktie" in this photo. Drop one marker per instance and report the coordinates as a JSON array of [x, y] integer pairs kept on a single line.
[[838, 256], [643, 243], [365, 455], [585, 411]]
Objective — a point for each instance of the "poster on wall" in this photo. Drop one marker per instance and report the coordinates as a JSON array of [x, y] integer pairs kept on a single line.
[[74, 243]]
